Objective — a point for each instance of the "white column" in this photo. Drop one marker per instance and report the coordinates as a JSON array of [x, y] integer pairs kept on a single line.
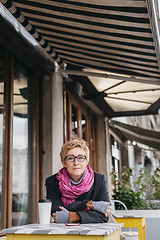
[[47, 131], [57, 120], [52, 125], [131, 160]]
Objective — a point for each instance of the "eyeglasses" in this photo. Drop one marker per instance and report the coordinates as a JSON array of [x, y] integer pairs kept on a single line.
[[72, 158]]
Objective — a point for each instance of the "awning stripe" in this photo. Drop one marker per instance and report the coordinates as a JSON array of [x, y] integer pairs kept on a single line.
[[105, 4], [104, 45], [61, 44], [97, 38], [106, 61], [67, 24], [100, 55], [107, 51], [105, 58], [104, 31], [90, 21], [91, 64], [81, 13], [109, 65], [86, 5]]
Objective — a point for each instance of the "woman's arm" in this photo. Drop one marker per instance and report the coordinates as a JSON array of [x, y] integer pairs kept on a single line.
[[100, 206], [53, 193], [101, 190], [92, 217]]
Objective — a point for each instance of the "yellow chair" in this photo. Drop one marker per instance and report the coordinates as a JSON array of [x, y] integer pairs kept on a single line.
[[130, 221], [134, 222]]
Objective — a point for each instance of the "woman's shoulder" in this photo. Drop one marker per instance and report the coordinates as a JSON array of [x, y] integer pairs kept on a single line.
[[51, 178], [99, 176]]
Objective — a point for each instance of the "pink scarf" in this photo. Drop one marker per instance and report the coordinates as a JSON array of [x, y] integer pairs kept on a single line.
[[71, 192]]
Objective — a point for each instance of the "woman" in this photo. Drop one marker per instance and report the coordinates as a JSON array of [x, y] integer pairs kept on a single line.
[[78, 194]]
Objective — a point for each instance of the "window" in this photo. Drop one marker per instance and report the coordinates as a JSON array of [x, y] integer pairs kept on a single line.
[[84, 126], [20, 145], [19, 142], [92, 137], [74, 120], [81, 123]]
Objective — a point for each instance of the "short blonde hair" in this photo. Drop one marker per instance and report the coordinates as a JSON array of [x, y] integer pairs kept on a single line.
[[70, 144]]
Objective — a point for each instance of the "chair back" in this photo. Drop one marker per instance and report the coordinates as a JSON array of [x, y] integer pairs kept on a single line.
[[113, 206]]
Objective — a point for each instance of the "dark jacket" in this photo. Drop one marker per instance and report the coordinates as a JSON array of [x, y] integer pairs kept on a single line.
[[98, 192]]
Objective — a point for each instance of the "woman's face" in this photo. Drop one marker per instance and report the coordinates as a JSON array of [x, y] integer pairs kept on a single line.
[[75, 168]]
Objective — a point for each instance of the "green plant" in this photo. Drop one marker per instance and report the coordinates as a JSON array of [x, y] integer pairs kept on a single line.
[[145, 190], [156, 187], [124, 192], [143, 185]]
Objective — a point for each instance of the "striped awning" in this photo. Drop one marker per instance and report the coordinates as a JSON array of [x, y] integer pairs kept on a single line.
[[137, 134], [115, 36]]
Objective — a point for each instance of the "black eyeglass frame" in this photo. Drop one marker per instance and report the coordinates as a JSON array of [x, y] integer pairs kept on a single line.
[[74, 157]]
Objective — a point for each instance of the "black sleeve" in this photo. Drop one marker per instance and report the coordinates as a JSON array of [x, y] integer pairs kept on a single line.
[[102, 193], [92, 217], [76, 206], [53, 193]]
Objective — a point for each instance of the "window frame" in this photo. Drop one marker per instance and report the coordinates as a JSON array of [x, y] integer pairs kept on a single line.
[[82, 108], [7, 148]]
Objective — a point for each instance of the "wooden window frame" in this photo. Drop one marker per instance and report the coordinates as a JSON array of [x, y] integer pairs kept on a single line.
[[7, 158], [7, 143], [82, 108]]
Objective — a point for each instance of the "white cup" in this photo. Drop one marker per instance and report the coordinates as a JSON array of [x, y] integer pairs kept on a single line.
[[44, 207]]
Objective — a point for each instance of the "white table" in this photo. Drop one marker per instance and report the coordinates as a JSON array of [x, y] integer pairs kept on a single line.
[[54, 231]]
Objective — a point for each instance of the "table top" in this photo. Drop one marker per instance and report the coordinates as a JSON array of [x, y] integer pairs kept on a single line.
[[103, 229]]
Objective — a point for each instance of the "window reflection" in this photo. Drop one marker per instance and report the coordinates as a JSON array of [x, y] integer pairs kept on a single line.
[[74, 120], [83, 122], [92, 132], [1, 120], [20, 146]]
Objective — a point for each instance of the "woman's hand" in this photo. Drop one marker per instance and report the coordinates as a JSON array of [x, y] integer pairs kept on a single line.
[[60, 216], [108, 212], [54, 217], [61, 208], [100, 206]]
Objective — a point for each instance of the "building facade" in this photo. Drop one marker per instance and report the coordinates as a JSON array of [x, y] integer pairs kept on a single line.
[[38, 113], [40, 109]]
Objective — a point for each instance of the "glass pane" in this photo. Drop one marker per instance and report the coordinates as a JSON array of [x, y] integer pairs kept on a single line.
[[92, 159], [84, 130], [74, 119], [91, 133], [20, 146], [1, 119]]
